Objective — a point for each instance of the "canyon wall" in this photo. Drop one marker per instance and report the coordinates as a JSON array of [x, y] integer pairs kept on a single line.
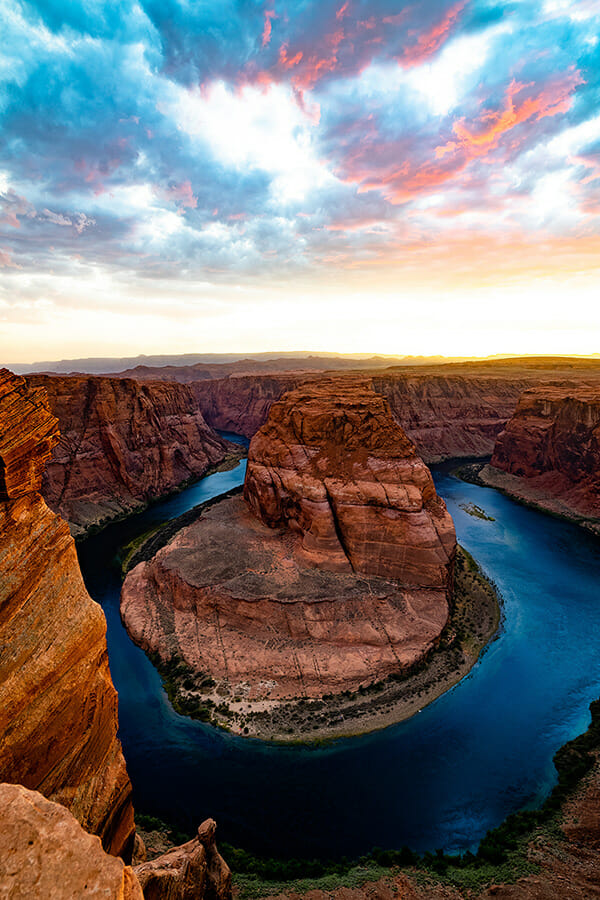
[[549, 452], [122, 444], [451, 416], [58, 706], [448, 411]]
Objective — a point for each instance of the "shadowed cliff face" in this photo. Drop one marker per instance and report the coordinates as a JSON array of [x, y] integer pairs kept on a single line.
[[549, 453], [122, 444], [58, 706], [450, 415], [339, 579], [332, 464]]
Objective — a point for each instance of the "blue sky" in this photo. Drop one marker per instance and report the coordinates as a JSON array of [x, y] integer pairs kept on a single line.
[[361, 176]]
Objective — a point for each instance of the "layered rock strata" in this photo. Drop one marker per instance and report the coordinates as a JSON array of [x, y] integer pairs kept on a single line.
[[549, 452], [338, 578], [448, 411], [122, 444], [332, 465], [58, 706]]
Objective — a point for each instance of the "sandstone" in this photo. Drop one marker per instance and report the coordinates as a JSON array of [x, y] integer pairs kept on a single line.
[[58, 706], [339, 576], [191, 871], [122, 445], [332, 464], [549, 452], [45, 853]]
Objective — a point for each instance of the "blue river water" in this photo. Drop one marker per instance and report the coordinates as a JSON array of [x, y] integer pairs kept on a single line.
[[439, 780]]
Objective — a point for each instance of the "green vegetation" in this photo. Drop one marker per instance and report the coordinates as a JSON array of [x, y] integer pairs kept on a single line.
[[473, 510], [178, 679], [128, 551]]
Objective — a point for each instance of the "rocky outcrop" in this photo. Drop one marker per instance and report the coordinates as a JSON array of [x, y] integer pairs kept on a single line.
[[122, 444], [332, 465], [189, 872], [347, 583], [549, 453], [58, 706], [45, 853]]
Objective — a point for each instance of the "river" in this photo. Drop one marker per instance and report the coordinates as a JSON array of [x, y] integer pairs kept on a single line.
[[439, 780]]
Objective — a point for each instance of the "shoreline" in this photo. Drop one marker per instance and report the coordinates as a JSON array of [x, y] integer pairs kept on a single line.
[[513, 487], [475, 620], [228, 463]]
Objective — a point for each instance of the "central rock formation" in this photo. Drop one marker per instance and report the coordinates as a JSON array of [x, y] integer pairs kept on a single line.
[[58, 706], [341, 576], [332, 465], [122, 445]]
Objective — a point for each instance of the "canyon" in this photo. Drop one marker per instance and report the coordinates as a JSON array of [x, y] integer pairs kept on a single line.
[[449, 411], [549, 453], [58, 706], [334, 571], [122, 445]]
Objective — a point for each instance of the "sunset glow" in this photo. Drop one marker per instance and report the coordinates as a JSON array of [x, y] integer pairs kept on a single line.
[[350, 176]]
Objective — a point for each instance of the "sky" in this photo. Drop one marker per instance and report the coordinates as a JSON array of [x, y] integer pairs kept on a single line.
[[350, 176]]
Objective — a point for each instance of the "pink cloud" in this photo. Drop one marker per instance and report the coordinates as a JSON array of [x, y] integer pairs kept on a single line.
[[182, 195], [266, 35], [430, 41], [7, 262]]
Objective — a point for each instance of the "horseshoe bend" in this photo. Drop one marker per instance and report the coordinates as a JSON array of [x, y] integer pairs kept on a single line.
[[333, 572]]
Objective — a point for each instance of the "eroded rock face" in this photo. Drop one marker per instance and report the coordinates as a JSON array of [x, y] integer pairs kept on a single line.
[[242, 404], [332, 464], [452, 416], [122, 444], [549, 453], [45, 853], [346, 583], [58, 706], [189, 872]]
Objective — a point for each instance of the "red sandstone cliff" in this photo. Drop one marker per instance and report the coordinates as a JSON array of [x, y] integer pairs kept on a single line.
[[549, 453], [122, 444], [331, 464], [58, 706], [351, 587]]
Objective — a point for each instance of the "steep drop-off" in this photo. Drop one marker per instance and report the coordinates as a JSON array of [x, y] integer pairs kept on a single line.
[[549, 452], [321, 602], [122, 444], [58, 706]]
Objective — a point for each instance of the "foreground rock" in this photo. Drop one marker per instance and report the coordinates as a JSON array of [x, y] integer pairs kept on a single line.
[[45, 853], [352, 583], [58, 706], [192, 871], [549, 453], [122, 444]]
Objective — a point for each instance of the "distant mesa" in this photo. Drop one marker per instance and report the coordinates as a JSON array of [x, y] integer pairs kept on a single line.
[[335, 571]]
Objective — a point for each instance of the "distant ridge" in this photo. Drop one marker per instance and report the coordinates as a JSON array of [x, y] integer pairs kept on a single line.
[[213, 365], [284, 360]]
